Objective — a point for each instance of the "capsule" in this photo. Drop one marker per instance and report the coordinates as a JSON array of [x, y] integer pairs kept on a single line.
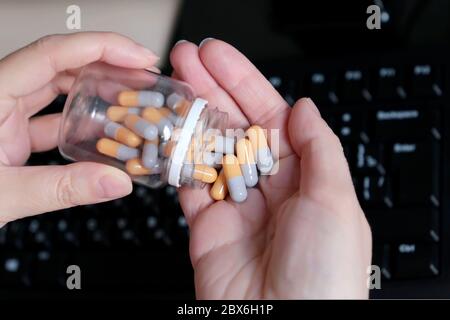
[[261, 149], [122, 134], [141, 98], [118, 114], [165, 127], [200, 172], [182, 107], [116, 150], [247, 162], [219, 189], [135, 167], [235, 180], [212, 159], [141, 126], [191, 153], [220, 144], [166, 148], [166, 112], [173, 99], [150, 153]]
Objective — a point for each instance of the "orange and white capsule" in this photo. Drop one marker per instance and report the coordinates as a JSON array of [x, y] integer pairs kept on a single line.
[[116, 150], [122, 134], [235, 179], [261, 149], [165, 127], [141, 98], [141, 126], [166, 112], [200, 172], [118, 114], [150, 153], [136, 167], [219, 190], [247, 162]]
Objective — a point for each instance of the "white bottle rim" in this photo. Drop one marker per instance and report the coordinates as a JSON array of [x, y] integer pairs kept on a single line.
[[184, 140]]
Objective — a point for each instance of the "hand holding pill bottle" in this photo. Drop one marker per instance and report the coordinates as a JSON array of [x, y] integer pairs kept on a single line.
[[154, 128]]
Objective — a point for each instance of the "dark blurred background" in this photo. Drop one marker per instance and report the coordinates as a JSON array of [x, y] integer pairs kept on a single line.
[[384, 92]]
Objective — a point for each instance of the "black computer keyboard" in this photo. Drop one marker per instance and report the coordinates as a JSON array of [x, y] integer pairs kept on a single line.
[[389, 112]]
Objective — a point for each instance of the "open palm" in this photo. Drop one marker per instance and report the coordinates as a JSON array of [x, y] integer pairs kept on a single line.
[[301, 233]]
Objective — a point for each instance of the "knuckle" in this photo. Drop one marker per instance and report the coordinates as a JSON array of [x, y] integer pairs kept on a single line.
[[43, 43], [66, 194]]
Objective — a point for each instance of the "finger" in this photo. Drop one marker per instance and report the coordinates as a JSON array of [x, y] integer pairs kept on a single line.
[[325, 176], [36, 100], [28, 191], [44, 132], [254, 94], [188, 67], [35, 65], [193, 201]]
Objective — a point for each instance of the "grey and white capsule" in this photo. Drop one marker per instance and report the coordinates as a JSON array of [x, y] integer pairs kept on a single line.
[[150, 154], [235, 180], [143, 98], [141, 127], [173, 99], [116, 150]]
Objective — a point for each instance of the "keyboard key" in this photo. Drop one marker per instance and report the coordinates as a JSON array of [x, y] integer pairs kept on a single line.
[[375, 191], [48, 270], [413, 260], [96, 233], [67, 232], [389, 84], [370, 158], [349, 125], [381, 257], [38, 234], [426, 81], [14, 269], [321, 88], [415, 172], [354, 86], [412, 122], [124, 235], [404, 224]]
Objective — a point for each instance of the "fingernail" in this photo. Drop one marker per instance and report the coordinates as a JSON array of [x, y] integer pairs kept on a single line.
[[204, 41], [149, 53], [114, 186], [313, 106], [179, 42], [154, 69]]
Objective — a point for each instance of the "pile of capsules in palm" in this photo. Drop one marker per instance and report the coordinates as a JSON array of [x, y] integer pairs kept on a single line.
[[155, 129]]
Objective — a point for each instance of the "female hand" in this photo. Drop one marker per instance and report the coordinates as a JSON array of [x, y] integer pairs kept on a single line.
[[301, 233], [29, 80]]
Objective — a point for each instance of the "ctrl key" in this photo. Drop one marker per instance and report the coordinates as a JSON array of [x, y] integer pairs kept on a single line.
[[416, 260]]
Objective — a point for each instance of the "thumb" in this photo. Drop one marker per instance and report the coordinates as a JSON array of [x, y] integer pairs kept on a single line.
[[325, 176], [26, 191]]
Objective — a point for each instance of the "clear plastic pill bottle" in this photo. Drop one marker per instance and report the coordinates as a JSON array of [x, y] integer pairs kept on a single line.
[[146, 124]]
